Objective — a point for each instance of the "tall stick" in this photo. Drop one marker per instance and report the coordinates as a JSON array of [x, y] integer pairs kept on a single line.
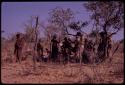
[[35, 46], [50, 48], [116, 49]]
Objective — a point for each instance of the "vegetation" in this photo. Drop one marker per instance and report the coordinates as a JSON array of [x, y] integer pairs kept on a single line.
[[105, 16]]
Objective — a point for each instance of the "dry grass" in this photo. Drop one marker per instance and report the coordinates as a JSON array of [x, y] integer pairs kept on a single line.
[[107, 72]]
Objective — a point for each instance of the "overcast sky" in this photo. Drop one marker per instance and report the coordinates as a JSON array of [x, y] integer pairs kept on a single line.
[[14, 14]]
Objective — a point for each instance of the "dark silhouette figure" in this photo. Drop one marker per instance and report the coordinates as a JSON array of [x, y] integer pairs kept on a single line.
[[54, 54], [18, 48], [66, 49], [87, 52], [76, 48], [102, 47]]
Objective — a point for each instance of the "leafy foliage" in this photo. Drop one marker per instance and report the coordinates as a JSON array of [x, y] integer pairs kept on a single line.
[[61, 18], [78, 25], [108, 15]]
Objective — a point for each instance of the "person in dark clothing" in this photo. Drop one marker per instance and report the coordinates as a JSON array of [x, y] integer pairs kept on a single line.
[[18, 48], [70, 45], [88, 50], [102, 47], [66, 49], [70, 48], [54, 54], [76, 49]]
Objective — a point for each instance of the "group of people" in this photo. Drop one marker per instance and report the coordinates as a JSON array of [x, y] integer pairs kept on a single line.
[[68, 50]]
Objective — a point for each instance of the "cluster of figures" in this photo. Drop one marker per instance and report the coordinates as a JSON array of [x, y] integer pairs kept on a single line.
[[79, 50]]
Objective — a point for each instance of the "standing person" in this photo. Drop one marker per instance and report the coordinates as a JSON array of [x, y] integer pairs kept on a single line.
[[102, 47], [39, 49], [18, 48], [70, 46], [80, 41], [66, 49], [77, 48], [84, 55], [54, 54], [88, 51]]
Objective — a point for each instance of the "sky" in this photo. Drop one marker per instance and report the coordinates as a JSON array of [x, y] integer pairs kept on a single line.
[[15, 14]]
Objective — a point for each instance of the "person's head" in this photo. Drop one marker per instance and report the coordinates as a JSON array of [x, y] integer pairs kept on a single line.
[[46, 49], [69, 39], [65, 38], [86, 40], [39, 40], [79, 34], [90, 42], [103, 34], [17, 35], [54, 36], [109, 38]]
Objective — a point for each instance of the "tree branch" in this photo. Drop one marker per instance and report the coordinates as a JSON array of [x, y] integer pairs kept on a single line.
[[113, 33], [68, 32]]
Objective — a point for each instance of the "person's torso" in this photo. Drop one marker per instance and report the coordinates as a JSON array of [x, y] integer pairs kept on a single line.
[[54, 43], [19, 43]]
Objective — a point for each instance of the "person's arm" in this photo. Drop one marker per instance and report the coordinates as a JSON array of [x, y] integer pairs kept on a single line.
[[50, 47], [57, 41], [15, 49]]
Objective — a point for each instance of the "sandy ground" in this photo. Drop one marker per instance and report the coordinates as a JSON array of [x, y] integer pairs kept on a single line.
[[59, 73]]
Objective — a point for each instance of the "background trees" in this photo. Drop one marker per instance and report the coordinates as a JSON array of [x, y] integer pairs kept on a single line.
[[107, 16], [61, 18], [30, 30]]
